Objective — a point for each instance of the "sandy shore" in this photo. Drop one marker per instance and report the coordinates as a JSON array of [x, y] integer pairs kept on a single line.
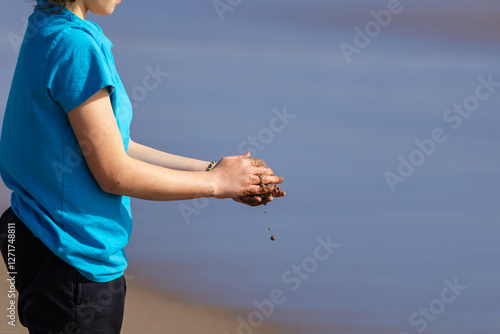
[[150, 311]]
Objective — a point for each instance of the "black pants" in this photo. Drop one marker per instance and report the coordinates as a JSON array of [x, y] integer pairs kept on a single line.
[[54, 298]]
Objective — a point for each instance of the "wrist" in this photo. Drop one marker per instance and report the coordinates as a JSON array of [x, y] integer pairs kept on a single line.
[[214, 188]]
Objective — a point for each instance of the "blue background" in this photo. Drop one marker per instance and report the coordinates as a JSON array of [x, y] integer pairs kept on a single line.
[[352, 122]]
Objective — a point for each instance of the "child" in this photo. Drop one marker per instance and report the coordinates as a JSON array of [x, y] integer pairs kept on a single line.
[[66, 154]]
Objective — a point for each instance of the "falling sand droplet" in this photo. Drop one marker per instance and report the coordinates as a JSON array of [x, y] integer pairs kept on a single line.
[[273, 238]]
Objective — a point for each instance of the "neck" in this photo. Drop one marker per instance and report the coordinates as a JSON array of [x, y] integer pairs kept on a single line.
[[78, 9]]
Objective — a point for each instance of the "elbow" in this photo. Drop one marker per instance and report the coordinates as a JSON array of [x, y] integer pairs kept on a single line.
[[111, 186], [112, 181]]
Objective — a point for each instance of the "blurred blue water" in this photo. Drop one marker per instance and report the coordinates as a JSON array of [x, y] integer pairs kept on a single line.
[[351, 124]]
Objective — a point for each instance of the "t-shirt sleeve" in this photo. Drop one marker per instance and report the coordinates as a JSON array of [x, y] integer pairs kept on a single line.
[[77, 69]]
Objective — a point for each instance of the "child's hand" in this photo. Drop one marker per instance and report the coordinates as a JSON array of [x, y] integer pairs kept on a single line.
[[256, 200], [243, 179]]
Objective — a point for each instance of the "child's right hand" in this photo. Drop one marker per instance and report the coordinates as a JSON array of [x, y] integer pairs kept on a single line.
[[241, 176]]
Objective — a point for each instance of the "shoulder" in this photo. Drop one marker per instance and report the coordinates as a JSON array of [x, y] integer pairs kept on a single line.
[[74, 36], [75, 52], [63, 30], [94, 26], [76, 43], [52, 38]]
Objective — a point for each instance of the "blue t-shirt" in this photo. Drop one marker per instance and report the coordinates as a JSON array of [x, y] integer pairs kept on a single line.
[[63, 61]]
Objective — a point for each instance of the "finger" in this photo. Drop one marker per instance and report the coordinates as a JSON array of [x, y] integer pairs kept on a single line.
[[269, 171], [261, 170], [246, 155], [279, 193], [257, 162], [259, 189], [252, 200], [258, 186], [274, 179], [266, 179]]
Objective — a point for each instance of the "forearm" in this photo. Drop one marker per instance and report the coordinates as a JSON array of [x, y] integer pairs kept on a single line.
[[163, 159], [117, 172], [142, 180]]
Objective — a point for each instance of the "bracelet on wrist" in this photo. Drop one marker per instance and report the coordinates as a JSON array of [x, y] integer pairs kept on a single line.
[[212, 165]]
